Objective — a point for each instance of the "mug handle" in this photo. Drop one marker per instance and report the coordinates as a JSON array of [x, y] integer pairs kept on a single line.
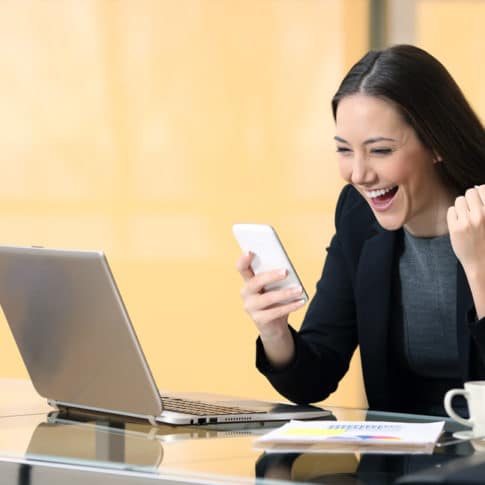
[[449, 408]]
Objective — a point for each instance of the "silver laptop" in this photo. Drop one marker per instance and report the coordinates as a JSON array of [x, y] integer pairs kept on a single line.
[[81, 351]]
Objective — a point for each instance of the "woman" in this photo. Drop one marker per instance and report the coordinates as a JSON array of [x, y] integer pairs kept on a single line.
[[404, 276]]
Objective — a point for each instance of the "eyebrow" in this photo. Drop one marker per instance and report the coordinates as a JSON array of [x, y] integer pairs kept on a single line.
[[366, 142]]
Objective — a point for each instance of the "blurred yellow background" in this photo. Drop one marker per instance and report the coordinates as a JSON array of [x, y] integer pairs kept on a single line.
[[146, 129]]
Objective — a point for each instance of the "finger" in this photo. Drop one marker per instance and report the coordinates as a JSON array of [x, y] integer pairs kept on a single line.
[[473, 200], [259, 281], [476, 208], [481, 192], [279, 311], [451, 218], [270, 299], [461, 208], [243, 265]]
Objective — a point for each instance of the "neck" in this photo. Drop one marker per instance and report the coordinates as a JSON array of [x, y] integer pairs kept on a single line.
[[432, 222]]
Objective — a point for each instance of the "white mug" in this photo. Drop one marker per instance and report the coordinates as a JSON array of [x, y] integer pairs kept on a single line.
[[474, 393]]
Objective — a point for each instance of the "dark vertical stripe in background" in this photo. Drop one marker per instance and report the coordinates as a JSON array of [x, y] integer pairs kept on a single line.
[[377, 30]]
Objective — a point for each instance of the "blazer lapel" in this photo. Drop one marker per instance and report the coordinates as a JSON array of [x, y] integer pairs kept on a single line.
[[373, 292], [464, 305]]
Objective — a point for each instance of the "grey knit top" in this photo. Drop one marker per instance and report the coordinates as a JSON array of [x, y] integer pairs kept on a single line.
[[427, 272]]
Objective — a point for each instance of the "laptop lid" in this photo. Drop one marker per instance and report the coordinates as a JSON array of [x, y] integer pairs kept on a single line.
[[73, 331]]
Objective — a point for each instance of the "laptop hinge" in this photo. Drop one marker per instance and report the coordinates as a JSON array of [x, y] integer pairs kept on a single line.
[[69, 411]]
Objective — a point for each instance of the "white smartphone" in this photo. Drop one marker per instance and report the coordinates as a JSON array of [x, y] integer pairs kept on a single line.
[[269, 254]]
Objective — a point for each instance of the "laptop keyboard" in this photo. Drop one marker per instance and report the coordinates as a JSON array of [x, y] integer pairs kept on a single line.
[[200, 408]]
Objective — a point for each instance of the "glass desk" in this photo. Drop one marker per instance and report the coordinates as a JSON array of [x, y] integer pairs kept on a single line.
[[38, 447]]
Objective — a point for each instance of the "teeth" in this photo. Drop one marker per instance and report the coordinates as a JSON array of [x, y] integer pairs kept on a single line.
[[376, 193]]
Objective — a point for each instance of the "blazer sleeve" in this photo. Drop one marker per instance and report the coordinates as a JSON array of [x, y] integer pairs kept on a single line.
[[477, 331], [328, 335]]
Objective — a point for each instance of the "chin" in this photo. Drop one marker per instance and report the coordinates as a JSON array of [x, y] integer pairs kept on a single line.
[[389, 225]]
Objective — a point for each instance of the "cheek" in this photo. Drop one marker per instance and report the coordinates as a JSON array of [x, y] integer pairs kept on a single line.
[[413, 166], [345, 169], [398, 170]]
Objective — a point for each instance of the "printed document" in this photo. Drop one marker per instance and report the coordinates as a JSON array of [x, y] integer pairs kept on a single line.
[[362, 436]]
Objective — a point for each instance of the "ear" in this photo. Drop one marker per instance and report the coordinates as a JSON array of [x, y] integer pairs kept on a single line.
[[437, 158]]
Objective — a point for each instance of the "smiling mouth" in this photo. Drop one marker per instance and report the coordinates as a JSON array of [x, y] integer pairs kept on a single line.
[[381, 199]]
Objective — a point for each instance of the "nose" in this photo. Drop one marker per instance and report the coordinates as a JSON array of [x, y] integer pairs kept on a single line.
[[361, 173]]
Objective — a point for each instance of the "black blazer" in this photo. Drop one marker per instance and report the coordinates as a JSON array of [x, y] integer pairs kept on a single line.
[[353, 305]]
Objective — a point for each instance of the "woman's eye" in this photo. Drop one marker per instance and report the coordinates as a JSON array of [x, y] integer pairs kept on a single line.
[[381, 151], [343, 150]]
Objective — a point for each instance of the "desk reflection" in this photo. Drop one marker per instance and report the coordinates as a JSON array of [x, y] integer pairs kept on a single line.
[[98, 443], [345, 469]]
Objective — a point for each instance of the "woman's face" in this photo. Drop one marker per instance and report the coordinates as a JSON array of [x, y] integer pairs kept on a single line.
[[382, 157]]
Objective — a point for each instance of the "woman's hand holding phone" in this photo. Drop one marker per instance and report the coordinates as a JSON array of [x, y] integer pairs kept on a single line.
[[269, 309]]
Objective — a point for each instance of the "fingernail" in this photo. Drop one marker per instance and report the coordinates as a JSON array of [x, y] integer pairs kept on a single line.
[[295, 288]]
